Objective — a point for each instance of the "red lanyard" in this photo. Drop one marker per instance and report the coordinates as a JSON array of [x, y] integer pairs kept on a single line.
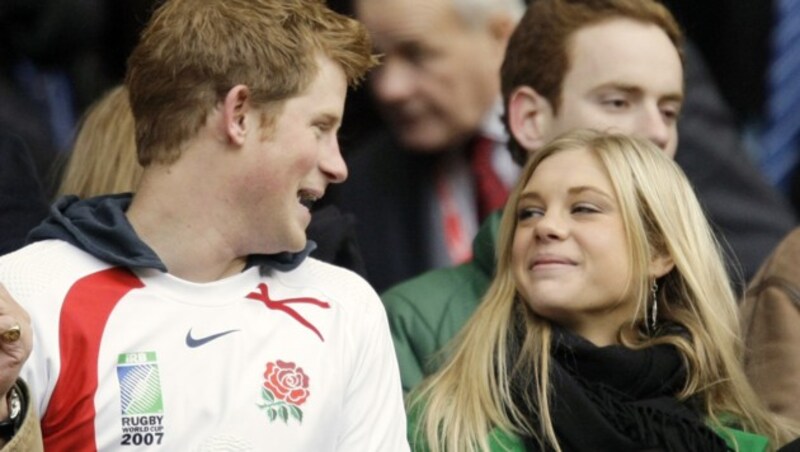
[[458, 244]]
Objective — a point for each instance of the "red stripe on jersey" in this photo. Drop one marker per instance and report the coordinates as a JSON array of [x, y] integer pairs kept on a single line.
[[68, 423]]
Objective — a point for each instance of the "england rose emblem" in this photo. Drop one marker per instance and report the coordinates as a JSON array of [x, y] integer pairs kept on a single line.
[[285, 389]]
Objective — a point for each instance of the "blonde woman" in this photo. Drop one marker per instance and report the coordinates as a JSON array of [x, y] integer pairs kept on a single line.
[[103, 159], [610, 324]]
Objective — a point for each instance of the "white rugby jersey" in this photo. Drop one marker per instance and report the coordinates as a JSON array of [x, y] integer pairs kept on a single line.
[[127, 360]]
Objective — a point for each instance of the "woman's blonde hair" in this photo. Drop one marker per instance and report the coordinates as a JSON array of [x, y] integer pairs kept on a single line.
[[103, 159], [471, 394]]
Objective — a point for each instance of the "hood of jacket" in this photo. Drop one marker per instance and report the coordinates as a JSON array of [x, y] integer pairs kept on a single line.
[[99, 227]]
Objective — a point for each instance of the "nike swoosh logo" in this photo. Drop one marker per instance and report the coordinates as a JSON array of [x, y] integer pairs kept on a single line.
[[193, 342]]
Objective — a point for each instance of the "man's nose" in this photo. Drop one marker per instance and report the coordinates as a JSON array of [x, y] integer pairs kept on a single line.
[[393, 81]]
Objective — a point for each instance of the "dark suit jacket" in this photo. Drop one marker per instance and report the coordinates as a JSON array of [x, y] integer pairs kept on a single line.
[[739, 60], [334, 233], [22, 201], [388, 190], [748, 214]]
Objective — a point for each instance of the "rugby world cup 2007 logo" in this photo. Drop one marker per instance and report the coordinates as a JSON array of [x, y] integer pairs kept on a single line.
[[140, 397]]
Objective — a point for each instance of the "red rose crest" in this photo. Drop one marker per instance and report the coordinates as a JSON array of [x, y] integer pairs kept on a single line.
[[285, 389]]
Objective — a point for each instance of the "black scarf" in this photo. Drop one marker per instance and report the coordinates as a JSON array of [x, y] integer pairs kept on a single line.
[[615, 399]]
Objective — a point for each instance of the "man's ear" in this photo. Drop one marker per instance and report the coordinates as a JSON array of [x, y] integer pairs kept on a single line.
[[529, 117], [660, 265], [234, 113]]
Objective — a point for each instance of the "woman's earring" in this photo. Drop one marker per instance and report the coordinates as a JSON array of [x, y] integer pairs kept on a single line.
[[654, 311]]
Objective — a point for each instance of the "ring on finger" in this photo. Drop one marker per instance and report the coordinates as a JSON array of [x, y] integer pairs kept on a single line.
[[12, 334]]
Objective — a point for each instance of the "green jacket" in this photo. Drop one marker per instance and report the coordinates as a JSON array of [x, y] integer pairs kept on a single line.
[[501, 441], [427, 311]]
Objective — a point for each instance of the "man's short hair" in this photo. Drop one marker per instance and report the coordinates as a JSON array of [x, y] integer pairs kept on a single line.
[[193, 52], [538, 51]]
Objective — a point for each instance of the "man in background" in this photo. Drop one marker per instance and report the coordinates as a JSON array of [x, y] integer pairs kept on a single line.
[[420, 189]]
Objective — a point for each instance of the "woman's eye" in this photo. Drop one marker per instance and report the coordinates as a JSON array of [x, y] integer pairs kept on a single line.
[[528, 212], [585, 208]]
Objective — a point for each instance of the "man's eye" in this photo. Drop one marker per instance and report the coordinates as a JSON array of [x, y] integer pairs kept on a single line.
[[670, 114], [323, 127], [616, 103], [415, 53]]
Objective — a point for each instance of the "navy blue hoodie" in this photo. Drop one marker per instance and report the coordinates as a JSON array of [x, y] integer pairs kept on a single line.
[[99, 227]]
